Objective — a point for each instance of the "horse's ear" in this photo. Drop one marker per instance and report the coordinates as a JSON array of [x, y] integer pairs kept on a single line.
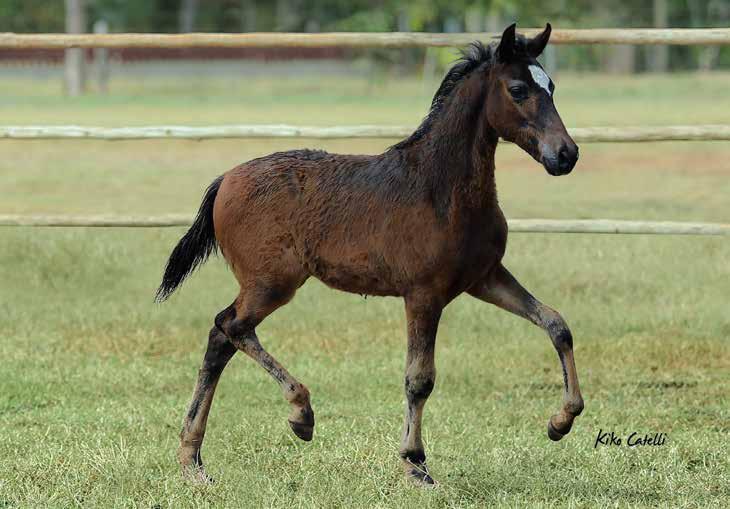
[[538, 43], [506, 48]]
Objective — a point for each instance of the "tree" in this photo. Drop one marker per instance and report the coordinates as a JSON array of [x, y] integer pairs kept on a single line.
[[659, 55], [188, 13]]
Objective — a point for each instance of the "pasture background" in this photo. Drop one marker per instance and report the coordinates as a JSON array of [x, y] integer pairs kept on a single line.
[[95, 378]]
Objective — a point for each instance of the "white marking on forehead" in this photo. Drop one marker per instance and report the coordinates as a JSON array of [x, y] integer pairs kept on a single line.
[[540, 77]]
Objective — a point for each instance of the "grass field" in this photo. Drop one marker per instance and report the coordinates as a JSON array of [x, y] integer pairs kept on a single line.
[[95, 378]]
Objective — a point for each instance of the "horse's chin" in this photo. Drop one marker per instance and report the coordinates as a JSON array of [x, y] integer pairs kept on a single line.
[[554, 169]]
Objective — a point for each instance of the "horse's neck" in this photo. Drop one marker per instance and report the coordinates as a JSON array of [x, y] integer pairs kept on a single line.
[[459, 149]]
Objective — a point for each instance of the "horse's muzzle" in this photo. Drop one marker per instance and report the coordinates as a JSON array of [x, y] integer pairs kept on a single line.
[[563, 162]]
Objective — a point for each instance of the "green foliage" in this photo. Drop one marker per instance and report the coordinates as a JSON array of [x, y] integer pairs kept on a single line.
[[429, 15], [377, 20], [30, 16]]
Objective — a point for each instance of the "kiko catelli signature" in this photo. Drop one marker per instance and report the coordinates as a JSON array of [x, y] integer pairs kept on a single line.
[[635, 439]]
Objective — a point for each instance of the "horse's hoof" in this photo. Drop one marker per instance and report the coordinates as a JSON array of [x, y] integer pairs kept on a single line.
[[197, 475], [419, 475], [301, 422], [553, 433], [303, 431]]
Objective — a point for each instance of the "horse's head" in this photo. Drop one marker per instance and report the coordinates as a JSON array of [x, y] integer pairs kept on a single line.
[[520, 103]]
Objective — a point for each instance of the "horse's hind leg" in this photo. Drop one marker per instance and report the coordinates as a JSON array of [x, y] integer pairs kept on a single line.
[[503, 290], [219, 352], [239, 323]]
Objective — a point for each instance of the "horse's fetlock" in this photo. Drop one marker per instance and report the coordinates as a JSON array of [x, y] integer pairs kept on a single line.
[[419, 387], [192, 443], [575, 407], [416, 456], [297, 394]]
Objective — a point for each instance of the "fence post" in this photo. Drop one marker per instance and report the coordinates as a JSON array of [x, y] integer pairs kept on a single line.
[[74, 58], [101, 58]]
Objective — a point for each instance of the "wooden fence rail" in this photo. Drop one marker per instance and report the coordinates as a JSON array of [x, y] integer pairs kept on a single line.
[[678, 36], [580, 134], [515, 225]]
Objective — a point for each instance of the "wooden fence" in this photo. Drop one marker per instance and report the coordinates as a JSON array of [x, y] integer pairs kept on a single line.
[[579, 134], [677, 36], [715, 36], [515, 225]]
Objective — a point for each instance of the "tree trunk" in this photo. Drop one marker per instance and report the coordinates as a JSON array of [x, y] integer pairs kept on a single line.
[[101, 58], [718, 14], [493, 21], [659, 54], [248, 16], [287, 15], [407, 57], [74, 58], [474, 19], [188, 13], [621, 59]]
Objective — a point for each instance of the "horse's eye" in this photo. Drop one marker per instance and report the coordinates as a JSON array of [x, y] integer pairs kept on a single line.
[[518, 92]]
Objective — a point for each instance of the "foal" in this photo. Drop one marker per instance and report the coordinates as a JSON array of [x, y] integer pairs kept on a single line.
[[420, 221]]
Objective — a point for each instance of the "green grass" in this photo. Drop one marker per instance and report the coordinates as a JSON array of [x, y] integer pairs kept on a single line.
[[95, 378], [204, 98]]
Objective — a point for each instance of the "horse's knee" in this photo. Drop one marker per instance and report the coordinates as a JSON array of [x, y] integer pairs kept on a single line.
[[419, 386]]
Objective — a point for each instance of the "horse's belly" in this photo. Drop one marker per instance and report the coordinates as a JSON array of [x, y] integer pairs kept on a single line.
[[364, 274], [417, 251], [448, 270], [360, 284]]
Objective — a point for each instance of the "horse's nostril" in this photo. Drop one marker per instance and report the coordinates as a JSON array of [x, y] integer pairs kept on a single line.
[[567, 158], [564, 159]]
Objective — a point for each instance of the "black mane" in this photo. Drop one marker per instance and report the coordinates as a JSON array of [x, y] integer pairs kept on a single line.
[[474, 56]]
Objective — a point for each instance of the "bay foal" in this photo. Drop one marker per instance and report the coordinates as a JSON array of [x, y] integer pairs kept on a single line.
[[420, 221]]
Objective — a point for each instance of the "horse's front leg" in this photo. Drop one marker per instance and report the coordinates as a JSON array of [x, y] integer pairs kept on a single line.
[[503, 290], [423, 315]]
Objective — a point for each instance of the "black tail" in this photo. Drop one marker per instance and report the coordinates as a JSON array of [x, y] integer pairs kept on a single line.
[[194, 248]]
